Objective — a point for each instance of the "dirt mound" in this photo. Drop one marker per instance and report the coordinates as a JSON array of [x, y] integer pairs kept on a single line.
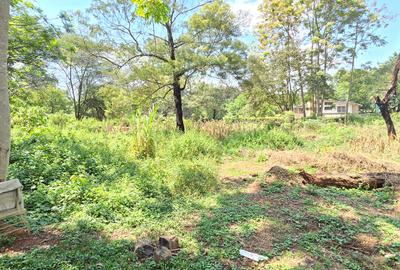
[[280, 173]]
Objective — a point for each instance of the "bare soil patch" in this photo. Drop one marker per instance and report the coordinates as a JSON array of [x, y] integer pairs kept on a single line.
[[24, 240]]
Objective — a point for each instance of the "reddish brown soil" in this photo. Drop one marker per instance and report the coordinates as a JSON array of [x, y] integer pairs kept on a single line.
[[24, 240]]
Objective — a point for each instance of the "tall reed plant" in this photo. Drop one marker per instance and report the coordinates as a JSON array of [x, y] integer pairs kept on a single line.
[[144, 144]]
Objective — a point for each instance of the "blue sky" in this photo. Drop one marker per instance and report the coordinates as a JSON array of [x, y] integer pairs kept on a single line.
[[374, 55]]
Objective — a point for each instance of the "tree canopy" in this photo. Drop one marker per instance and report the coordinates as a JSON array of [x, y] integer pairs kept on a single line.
[[119, 56]]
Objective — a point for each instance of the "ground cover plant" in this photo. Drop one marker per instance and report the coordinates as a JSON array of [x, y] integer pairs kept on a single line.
[[91, 198]]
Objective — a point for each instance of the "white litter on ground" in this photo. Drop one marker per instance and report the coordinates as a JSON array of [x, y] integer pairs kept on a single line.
[[252, 256]]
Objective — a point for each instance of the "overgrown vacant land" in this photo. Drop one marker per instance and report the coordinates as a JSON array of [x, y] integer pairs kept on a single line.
[[134, 122], [94, 189]]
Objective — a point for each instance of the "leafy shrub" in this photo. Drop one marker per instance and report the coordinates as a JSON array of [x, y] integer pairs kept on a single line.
[[43, 207], [73, 191], [48, 154], [29, 117], [82, 171], [163, 179], [106, 201], [45, 157], [288, 117], [312, 124], [238, 108], [191, 177], [192, 145], [60, 119], [91, 125], [272, 138], [151, 178]]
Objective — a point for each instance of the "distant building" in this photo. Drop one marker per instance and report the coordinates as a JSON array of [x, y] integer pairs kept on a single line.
[[330, 108]]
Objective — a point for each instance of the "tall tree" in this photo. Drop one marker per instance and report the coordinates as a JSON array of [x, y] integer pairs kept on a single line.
[[32, 45], [315, 36], [195, 40], [325, 24], [368, 82], [363, 89], [267, 87], [363, 23], [83, 76], [384, 104], [206, 101], [5, 132], [279, 35]]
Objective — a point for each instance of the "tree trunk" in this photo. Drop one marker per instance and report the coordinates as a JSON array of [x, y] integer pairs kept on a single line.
[[214, 117], [5, 132], [322, 104], [385, 112], [383, 104], [353, 60], [350, 87], [313, 104], [176, 81], [303, 103], [318, 90], [317, 103], [178, 105]]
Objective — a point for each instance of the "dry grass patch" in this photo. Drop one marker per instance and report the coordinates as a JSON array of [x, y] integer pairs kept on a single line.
[[331, 162], [366, 243], [121, 235], [289, 260], [221, 129], [375, 141], [266, 235], [253, 188]]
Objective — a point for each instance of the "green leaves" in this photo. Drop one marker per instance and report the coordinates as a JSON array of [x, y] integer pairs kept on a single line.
[[155, 10], [32, 42]]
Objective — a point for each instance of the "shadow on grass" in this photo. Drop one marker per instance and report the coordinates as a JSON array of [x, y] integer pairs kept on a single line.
[[81, 247], [328, 228], [296, 227]]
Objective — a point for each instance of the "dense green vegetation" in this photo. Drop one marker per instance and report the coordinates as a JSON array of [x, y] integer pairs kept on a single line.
[[84, 181]]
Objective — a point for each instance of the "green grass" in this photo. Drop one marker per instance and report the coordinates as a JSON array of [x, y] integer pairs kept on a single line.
[[227, 222], [265, 138]]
